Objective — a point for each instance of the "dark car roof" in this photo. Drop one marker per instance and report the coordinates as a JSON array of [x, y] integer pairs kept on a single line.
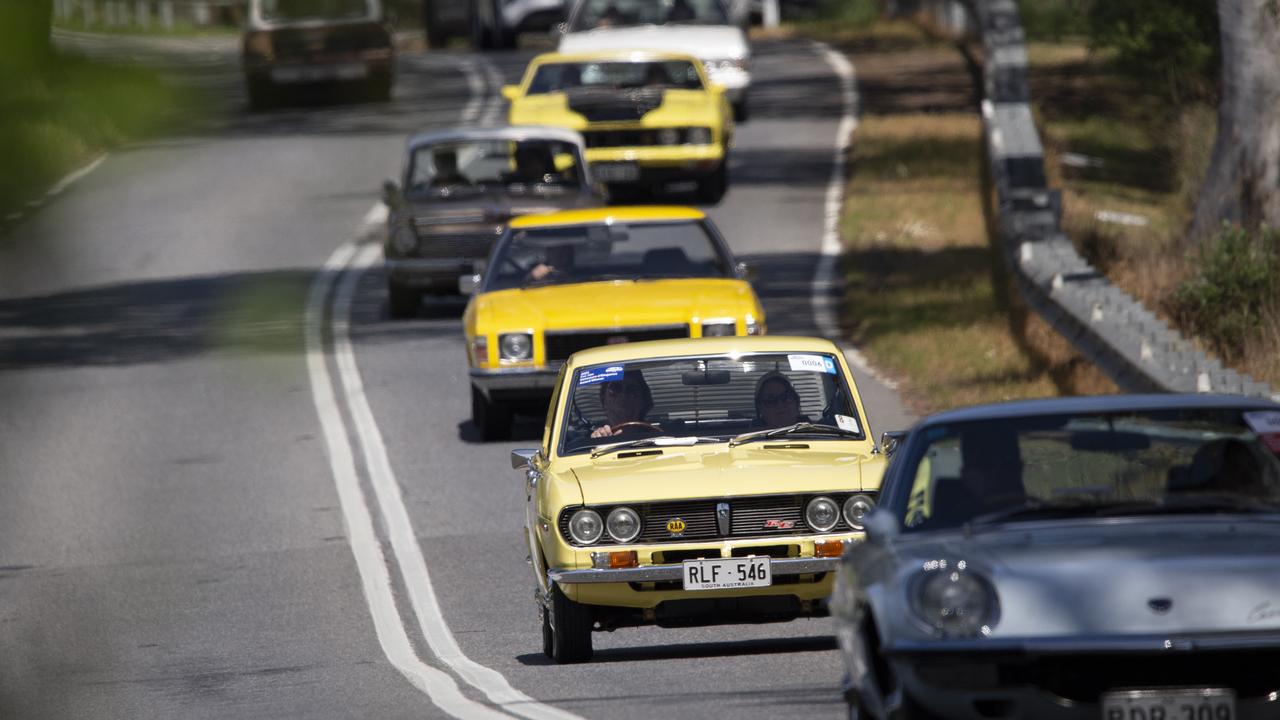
[[1098, 403]]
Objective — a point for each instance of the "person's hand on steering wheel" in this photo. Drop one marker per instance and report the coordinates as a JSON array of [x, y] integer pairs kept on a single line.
[[612, 430]]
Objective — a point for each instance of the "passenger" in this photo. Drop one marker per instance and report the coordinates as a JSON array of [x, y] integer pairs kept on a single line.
[[625, 401], [681, 11], [777, 402], [609, 17], [447, 175]]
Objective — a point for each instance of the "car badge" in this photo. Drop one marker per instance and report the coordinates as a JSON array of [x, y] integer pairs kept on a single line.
[[1160, 606], [779, 524], [723, 523], [676, 527]]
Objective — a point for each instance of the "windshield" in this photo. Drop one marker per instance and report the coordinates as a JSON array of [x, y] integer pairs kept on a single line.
[[587, 253], [1086, 465], [628, 13], [619, 75], [715, 398], [293, 10], [517, 166]]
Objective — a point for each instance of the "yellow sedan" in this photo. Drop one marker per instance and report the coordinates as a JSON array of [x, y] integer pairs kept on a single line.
[[561, 282], [647, 117], [684, 482]]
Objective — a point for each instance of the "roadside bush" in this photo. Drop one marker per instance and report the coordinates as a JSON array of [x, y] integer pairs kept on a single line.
[[1234, 292], [1054, 19]]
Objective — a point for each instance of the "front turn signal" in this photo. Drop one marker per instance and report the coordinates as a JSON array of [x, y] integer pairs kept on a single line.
[[828, 548]]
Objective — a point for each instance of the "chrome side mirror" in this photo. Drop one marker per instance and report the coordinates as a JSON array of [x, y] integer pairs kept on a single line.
[[390, 193], [522, 458], [890, 440], [467, 284], [745, 271]]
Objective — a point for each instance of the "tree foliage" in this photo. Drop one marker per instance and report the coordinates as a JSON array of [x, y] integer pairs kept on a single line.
[[1171, 42]]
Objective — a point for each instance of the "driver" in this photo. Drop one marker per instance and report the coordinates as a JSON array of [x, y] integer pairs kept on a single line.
[[777, 402], [447, 175], [625, 400], [558, 261]]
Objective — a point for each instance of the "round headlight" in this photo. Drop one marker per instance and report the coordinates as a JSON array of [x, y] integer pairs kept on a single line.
[[856, 509], [404, 241], [516, 346], [668, 136], [953, 602], [623, 524], [698, 136], [585, 527], [719, 329], [822, 514]]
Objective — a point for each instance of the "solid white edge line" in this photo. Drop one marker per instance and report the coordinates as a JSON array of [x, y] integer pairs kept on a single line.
[[375, 578], [496, 101], [75, 175], [824, 279], [404, 542]]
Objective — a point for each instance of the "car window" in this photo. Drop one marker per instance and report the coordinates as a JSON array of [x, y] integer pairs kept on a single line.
[[1093, 463], [616, 75], [532, 257], [713, 396], [516, 166], [598, 14], [291, 10]]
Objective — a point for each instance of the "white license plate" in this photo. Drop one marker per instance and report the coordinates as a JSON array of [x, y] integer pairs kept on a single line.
[[319, 73], [727, 573], [616, 172], [1171, 704]]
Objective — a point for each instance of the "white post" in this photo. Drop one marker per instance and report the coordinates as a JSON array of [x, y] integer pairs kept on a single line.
[[771, 15], [109, 13], [122, 12], [142, 13], [200, 13], [90, 17], [166, 14]]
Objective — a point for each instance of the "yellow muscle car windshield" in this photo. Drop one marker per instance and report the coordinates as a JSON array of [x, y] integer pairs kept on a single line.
[[630, 13], [590, 253], [477, 165], [614, 75], [683, 401]]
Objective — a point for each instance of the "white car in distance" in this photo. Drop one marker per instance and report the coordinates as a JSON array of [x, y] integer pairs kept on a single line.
[[703, 28]]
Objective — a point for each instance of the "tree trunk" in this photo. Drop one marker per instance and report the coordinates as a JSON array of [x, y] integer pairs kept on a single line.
[[24, 31], [1242, 184]]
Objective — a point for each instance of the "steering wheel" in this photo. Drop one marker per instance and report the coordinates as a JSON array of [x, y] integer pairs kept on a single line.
[[637, 423]]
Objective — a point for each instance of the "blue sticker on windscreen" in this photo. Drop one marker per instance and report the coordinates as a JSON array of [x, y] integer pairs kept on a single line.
[[592, 376]]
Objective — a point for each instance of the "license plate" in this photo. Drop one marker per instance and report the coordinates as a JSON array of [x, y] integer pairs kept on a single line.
[[616, 172], [1171, 704], [727, 573], [319, 73]]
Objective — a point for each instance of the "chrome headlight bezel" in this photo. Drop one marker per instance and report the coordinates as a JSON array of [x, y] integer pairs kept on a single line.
[[726, 327], [817, 502], [510, 348], [948, 599], [593, 533], [851, 503], [621, 512], [403, 240]]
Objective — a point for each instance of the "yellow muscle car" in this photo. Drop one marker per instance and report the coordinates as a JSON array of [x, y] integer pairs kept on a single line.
[[561, 282], [699, 482], [647, 117]]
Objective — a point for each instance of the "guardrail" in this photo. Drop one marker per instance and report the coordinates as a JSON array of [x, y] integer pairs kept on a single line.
[[146, 14], [1109, 327]]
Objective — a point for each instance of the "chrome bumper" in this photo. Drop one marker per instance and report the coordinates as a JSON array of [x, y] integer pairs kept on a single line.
[[505, 379], [660, 573]]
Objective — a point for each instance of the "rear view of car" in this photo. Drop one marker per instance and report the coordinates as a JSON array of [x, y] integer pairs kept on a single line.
[[292, 43]]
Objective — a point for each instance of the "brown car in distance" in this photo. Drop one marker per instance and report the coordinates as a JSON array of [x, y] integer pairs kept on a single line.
[[458, 190]]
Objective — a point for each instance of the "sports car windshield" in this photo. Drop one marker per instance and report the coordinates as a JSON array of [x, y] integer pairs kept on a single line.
[[614, 75], [536, 257], [466, 167], [599, 14], [1184, 461], [802, 397]]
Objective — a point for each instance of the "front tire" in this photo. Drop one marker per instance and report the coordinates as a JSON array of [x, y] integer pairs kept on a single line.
[[741, 112], [711, 189], [402, 302], [570, 629], [548, 637], [491, 419]]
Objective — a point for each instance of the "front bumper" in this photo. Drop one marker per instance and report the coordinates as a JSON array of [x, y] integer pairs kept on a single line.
[[694, 159], [515, 382], [340, 67], [662, 573]]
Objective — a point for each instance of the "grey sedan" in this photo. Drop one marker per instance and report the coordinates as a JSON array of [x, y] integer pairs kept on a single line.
[[1110, 557]]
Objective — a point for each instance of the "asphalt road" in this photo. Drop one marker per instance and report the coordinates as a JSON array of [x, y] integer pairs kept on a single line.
[[180, 535]]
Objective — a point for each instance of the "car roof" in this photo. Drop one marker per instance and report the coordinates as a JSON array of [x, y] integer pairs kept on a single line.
[[605, 215], [1099, 404], [514, 132], [631, 55], [681, 347]]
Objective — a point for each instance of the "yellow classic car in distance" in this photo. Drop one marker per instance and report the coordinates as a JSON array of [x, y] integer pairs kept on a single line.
[[685, 482], [647, 117], [560, 282]]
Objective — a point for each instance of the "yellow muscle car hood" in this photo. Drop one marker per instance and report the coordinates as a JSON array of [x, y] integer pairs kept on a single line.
[[617, 303], [681, 474], [678, 108]]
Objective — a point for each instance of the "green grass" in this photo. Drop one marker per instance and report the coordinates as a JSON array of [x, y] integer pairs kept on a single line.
[[179, 29]]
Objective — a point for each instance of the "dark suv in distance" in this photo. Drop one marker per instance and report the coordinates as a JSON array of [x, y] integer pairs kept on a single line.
[[290, 43]]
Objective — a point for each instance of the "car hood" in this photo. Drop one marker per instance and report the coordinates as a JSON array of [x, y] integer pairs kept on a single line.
[[718, 471], [1114, 577], [496, 207], [706, 42], [613, 304], [679, 107]]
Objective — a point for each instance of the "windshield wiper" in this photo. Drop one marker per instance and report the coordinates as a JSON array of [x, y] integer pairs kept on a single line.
[[660, 441], [800, 427]]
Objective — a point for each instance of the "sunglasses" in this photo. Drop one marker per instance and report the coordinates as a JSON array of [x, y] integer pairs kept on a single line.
[[777, 398], [632, 390]]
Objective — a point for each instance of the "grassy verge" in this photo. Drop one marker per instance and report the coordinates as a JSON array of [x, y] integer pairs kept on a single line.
[[60, 116], [154, 28], [927, 293]]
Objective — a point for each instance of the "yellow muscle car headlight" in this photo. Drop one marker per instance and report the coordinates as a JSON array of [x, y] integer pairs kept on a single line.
[[515, 346], [856, 509], [623, 524], [585, 527], [822, 514], [698, 136], [668, 136], [953, 602], [719, 328], [404, 241]]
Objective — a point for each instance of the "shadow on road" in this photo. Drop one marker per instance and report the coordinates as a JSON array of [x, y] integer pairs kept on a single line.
[[698, 650]]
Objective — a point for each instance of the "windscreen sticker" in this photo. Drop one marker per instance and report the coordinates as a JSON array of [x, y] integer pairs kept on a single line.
[[844, 422], [812, 363], [592, 376], [1263, 422]]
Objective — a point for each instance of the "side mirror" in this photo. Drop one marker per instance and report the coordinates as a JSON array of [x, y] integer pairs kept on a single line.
[[745, 271], [560, 29], [522, 458], [511, 92], [467, 284], [390, 192], [881, 526], [890, 440]]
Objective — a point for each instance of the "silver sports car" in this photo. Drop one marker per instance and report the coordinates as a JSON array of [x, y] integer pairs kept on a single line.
[[1105, 558]]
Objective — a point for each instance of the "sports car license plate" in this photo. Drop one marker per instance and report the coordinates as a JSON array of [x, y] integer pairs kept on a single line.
[[318, 73], [616, 172], [1170, 704], [727, 573]]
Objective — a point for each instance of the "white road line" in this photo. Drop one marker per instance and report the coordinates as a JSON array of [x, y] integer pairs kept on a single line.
[[370, 561], [496, 101], [75, 175], [825, 282], [475, 83]]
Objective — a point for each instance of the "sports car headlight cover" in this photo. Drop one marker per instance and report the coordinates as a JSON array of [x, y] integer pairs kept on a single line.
[[953, 601], [585, 527], [822, 514], [515, 346], [623, 524]]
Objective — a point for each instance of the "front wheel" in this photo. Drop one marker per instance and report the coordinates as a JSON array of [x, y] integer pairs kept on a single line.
[[570, 629], [402, 302], [491, 419], [711, 189]]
